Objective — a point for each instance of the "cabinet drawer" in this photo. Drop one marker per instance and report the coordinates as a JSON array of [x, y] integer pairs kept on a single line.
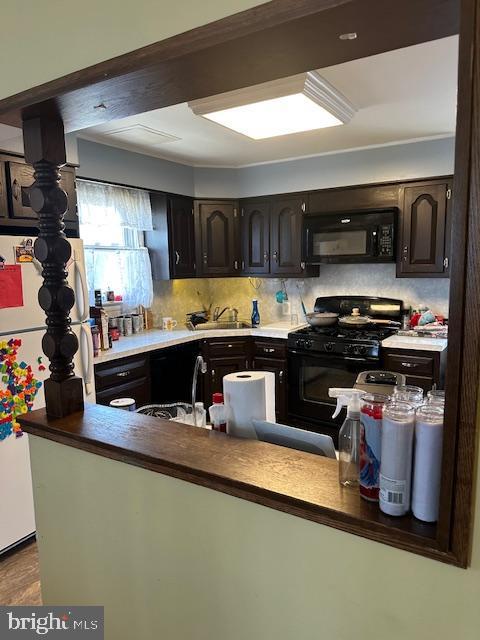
[[425, 383], [226, 348], [409, 365], [116, 373], [268, 349], [138, 389]]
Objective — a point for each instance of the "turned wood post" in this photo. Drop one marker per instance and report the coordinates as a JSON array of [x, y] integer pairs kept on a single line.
[[44, 143]]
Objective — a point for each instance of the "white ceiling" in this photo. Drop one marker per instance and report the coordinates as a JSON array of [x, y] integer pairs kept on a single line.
[[402, 95]]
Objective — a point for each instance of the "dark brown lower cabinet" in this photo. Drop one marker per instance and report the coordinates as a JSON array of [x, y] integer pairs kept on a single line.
[[422, 368], [271, 355], [124, 378], [223, 356]]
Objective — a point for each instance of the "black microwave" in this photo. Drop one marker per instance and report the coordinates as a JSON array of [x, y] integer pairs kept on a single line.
[[349, 237]]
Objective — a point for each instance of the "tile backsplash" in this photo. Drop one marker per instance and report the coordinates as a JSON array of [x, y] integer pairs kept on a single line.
[[177, 297]]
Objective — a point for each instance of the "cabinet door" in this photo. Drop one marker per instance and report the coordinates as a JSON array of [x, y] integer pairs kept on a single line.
[[3, 192], [286, 237], [182, 239], [21, 179], [216, 238], [424, 230], [255, 231], [279, 368], [220, 367]]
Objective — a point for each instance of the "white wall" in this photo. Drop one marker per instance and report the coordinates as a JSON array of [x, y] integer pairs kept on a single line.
[[170, 560], [382, 164], [101, 162], [42, 41]]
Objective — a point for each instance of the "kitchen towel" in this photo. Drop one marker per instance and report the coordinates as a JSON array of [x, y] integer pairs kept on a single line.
[[249, 395]]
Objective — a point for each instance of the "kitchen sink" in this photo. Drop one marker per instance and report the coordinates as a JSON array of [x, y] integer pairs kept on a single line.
[[223, 324]]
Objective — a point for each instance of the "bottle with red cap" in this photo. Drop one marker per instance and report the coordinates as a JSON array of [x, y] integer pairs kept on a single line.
[[218, 414]]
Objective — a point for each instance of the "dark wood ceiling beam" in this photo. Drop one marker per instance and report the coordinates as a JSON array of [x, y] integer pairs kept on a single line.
[[273, 40]]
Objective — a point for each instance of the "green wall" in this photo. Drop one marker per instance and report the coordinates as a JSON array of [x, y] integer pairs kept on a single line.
[[174, 561]]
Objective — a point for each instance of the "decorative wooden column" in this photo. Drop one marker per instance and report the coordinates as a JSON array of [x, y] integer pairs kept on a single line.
[[44, 143]]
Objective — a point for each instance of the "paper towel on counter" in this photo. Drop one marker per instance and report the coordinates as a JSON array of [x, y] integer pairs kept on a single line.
[[248, 395]]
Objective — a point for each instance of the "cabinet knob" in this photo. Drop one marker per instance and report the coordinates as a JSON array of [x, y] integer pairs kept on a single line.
[[123, 374], [265, 256], [280, 376], [268, 350], [409, 365], [235, 264], [212, 373], [16, 189], [205, 258], [275, 256], [177, 257]]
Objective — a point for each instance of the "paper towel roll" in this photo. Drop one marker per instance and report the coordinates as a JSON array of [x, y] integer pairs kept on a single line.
[[248, 395]]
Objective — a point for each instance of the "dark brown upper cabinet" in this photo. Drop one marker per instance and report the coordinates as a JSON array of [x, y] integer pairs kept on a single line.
[[356, 198], [182, 236], [286, 236], [216, 238], [255, 232], [21, 178], [3, 192], [171, 243], [424, 229]]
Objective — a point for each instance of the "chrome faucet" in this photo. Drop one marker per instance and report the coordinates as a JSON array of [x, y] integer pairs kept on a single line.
[[200, 365]]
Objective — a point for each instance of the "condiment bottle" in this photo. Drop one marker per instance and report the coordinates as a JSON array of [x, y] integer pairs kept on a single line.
[[396, 458], [371, 415], [428, 462], [218, 414]]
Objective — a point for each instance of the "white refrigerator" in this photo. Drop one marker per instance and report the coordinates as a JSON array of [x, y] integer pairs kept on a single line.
[[27, 323]]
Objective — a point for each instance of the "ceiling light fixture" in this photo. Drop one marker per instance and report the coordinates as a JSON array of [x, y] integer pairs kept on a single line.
[[300, 103]]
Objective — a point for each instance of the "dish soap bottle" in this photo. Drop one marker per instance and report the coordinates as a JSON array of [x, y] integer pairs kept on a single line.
[[255, 314], [349, 435]]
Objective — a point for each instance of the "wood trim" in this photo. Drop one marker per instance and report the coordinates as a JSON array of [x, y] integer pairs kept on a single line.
[[461, 437], [291, 481], [274, 40]]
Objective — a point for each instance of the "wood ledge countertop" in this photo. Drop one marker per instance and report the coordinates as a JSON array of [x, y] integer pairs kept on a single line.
[[298, 483]]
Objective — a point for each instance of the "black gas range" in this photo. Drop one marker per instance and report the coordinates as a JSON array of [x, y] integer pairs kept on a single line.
[[323, 357]]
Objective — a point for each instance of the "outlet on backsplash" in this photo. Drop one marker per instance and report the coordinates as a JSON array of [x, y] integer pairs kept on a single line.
[[175, 298]]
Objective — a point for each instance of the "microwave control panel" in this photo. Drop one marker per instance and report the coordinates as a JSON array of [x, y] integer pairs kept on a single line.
[[385, 240]]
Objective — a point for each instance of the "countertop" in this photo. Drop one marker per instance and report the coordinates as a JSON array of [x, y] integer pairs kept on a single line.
[[158, 339], [418, 344]]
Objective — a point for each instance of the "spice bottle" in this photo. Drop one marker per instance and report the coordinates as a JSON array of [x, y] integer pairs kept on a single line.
[[218, 414]]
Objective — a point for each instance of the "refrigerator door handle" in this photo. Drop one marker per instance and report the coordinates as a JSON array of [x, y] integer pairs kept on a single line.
[[86, 355], [80, 269]]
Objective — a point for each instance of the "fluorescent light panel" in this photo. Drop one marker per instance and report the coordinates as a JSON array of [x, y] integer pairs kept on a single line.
[[275, 117], [301, 103]]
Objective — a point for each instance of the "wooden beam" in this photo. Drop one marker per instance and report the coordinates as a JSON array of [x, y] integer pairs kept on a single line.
[[44, 143], [274, 40]]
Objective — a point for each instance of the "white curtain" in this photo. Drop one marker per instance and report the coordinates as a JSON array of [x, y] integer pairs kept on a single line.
[[125, 271], [103, 204], [111, 223]]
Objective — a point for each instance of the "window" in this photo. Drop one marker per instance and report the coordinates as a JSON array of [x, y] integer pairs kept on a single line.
[[112, 222]]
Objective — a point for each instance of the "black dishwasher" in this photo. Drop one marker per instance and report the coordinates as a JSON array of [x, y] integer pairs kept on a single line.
[[172, 372]]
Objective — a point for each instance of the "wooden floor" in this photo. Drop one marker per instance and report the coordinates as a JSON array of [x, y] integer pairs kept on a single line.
[[20, 577]]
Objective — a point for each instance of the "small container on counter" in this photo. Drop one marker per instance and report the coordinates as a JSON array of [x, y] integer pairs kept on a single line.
[[371, 416], [218, 414], [408, 393], [428, 462], [200, 415], [95, 340], [98, 298], [127, 404], [127, 326], [396, 457], [110, 295], [137, 323]]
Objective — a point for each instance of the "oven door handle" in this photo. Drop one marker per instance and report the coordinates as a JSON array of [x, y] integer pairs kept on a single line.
[[355, 359]]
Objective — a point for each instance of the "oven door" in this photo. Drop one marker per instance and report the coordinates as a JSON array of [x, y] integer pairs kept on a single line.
[[311, 376]]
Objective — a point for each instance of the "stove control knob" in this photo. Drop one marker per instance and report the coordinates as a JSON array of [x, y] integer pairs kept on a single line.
[[300, 343], [349, 348], [329, 346], [308, 344], [361, 350]]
